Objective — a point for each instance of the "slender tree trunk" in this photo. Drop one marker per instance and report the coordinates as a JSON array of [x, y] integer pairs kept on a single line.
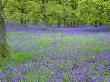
[[4, 48], [96, 23], [64, 22], [59, 22], [21, 20], [43, 10], [71, 24]]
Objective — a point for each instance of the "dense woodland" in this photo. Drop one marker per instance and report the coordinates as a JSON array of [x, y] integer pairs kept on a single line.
[[58, 12]]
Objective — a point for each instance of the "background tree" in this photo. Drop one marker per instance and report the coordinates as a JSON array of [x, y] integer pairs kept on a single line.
[[58, 12]]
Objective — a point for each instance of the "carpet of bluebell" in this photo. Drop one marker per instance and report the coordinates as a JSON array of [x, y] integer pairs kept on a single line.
[[80, 54]]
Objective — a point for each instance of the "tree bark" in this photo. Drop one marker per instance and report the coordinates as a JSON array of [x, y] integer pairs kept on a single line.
[[43, 11], [4, 48], [59, 22]]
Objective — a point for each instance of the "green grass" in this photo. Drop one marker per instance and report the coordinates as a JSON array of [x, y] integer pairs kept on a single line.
[[23, 56], [18, 58]]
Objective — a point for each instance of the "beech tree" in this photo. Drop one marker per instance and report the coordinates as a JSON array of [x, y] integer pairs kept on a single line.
[[4, 48]]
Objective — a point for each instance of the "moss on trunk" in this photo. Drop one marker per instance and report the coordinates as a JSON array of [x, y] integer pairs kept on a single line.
[[4, 48]]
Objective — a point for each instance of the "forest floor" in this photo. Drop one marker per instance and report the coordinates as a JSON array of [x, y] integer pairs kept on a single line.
[[80, 54]]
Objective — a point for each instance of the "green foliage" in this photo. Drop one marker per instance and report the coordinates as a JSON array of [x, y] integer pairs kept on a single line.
[[67, 12], [107, 75]]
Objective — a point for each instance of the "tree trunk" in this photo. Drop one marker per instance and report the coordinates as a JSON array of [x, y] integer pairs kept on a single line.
[[43, 11], [96, 23], [21, 19], [64, 22], [4, 48], [59, 22]]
